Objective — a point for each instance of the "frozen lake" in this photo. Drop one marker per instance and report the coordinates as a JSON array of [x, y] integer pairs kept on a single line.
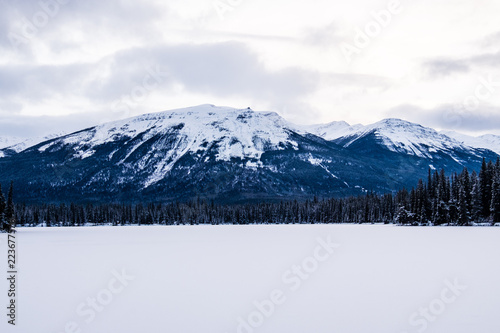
[[266, 279]]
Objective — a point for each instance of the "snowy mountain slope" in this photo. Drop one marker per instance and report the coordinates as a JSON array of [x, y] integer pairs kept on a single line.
[[231, 155], [208, 151], [397, 135], [239, 134], [12, 145], [7, 141], [409, 138], [488, 141], [235, 131], [331, 131]]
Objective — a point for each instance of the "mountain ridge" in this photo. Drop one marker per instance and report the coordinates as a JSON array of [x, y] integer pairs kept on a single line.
[[329, 131], [232, 155]]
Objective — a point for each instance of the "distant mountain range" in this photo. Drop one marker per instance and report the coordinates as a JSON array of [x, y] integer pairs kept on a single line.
[[11, 145], [232, 155]]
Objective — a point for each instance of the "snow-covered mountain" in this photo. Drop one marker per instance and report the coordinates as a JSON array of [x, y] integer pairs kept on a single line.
[[488, 141], [230, 155], [409, 138], [221, 153], [10, 145], [403, 136], [331, 131], [236, 134], [7, 141]]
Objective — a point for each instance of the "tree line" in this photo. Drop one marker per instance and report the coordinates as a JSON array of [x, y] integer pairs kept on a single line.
[[7, 210], [460, 199]]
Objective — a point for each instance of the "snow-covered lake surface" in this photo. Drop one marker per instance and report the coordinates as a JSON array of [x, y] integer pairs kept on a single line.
[[266, 279]]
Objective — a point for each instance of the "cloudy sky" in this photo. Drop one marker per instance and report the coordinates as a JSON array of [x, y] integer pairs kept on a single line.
[[67, 64]]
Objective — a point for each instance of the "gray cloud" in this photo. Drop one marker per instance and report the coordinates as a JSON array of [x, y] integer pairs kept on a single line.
[[226, 69], [491, 40], [487, 56], [50, 21], [35, 83], [445, 67], [4, 22], [326, 36], [451, 117], [87, 29], [29, 127], [442, 67], [222, 69], [487, 59]]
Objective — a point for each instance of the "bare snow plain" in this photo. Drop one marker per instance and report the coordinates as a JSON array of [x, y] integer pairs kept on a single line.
[[258, 278]]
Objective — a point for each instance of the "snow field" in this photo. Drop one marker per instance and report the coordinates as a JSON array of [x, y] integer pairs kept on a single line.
[[266, 278]]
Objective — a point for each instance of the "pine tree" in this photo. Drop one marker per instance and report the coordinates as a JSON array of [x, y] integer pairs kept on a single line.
[[485, 180], [467, 186], [475, 197], [9, 211], [442, 215], [430, 185], [495, 195], [2, 210], [403, 216], [464, 197], [463, 211]]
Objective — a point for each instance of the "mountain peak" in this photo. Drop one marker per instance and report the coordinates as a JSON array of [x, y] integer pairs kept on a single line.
[[405, 137], [212, 132], [395, 123], [330, 131], [487, 141]]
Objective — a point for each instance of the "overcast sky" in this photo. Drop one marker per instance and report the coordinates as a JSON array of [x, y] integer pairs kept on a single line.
[[67, 64]]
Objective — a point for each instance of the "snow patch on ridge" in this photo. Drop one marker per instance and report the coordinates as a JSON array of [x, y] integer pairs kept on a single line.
[[319, 162]]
